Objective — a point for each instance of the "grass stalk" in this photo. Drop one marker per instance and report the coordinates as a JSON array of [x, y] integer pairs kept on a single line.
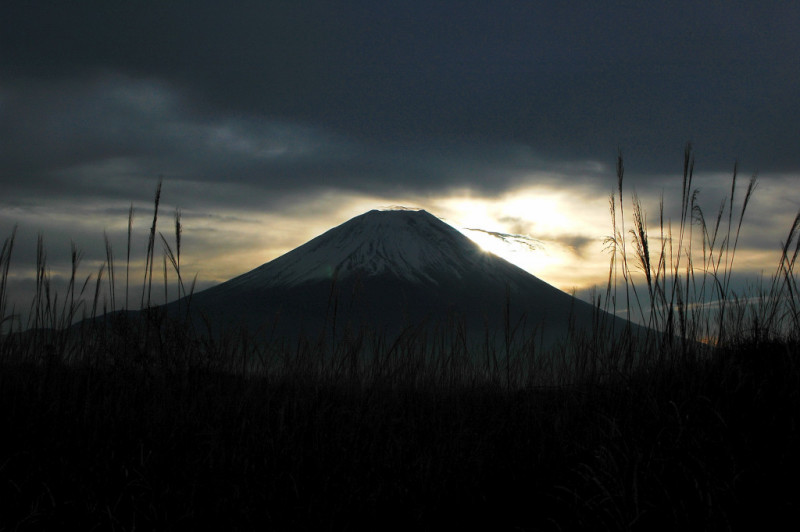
[[110, 267], [149, 256], [5, 264], [128, 258]]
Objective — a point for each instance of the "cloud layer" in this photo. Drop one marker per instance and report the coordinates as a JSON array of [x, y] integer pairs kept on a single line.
[[296, 114]]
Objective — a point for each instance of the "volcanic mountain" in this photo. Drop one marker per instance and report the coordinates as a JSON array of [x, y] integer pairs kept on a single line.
[[386, 270]]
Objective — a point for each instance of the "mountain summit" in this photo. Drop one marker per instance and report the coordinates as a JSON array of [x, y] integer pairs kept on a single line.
[[386, 270], [412, 246]]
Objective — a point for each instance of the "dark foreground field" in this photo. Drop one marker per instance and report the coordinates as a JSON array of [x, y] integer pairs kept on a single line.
[[694, 445]]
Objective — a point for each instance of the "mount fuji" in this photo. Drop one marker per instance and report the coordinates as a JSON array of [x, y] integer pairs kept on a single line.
[[387, 270]]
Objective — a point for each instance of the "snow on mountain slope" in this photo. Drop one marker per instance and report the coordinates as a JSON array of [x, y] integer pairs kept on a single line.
[[409, 245]]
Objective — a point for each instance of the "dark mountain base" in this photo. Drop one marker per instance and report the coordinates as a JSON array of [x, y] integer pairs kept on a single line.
[[390, 306], [690, 446]]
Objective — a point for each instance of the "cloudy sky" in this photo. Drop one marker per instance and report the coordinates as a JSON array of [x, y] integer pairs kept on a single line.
[[273, 121]]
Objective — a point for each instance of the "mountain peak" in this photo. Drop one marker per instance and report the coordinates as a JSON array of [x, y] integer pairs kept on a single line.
[[412, 245]]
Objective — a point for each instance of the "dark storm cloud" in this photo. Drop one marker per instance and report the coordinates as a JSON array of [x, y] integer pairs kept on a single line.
[[101, 135], [416, 94]]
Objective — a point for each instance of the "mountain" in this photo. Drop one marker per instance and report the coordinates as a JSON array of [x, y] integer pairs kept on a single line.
[[386, 270]]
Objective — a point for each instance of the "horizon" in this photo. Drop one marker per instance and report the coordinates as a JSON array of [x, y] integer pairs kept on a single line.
[[271, 124], [518, 249]]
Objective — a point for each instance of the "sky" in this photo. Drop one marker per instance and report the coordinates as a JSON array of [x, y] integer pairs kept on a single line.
[[270, 122]]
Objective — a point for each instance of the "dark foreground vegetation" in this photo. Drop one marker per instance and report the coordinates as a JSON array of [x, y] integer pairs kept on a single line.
[[148, 423]]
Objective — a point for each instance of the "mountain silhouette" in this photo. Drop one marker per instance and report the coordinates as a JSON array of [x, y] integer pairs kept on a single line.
[[388, 270]]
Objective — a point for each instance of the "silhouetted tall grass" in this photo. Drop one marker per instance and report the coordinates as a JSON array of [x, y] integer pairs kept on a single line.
[[144, 420]]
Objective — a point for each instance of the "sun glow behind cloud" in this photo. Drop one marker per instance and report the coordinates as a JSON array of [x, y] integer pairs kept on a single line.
[[553, 234]]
